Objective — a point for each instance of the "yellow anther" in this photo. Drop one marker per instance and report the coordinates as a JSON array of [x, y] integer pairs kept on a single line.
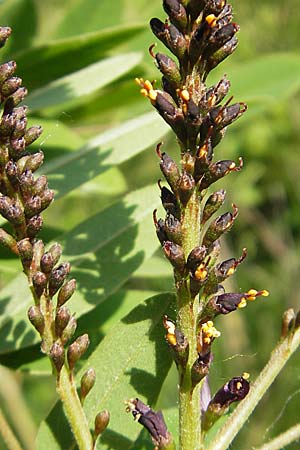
[[144, 92], [184, 94], [169, 325], [246, 375], [148, 85], [232, 166], [171, 338], [152, 95], [264, 293], [209, 331], [211, 100], [211, 20], [242, 303], [231, 271], [201, 272], [239, 385], [252, 292]]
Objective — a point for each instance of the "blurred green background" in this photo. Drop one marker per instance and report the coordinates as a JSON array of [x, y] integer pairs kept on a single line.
[[54, 38]]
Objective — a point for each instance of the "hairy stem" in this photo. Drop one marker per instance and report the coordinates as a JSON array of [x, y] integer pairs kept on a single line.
[[66, 389], [286, 438], [278, 359], [189, 399]]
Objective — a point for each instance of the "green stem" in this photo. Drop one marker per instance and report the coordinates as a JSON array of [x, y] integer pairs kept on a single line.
[[286, 438], [8, 435], [74, 412], [278, 359], [189, 399]]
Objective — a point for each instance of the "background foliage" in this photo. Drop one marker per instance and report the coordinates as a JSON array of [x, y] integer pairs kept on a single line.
[[78, 58]]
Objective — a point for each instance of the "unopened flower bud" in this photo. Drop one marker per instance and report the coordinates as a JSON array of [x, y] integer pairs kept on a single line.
[[57, 277], [69, 330], [27, 184], [39, 281], [176, 12], [51, 258], [101, 422], [25, 251], [34, 225], [196, 257], [62, 318], [33, 162], [66, 292], [32, 134], [11, 211], [19, 129], [168, 68], [228, 267], [169, 201], [87, 382], [8, 241], [160, 228], [222, 53], [5, 32], [200, 368], [7, 70], [33, 206], [12, 172], [57, 356], [173, 229], [77, 349], [40, 184], [169, 168], [46, 198], [175, 255], [213, 203], [16, 98], [219, 226], [10, 86], [186, 184], [36, 318]]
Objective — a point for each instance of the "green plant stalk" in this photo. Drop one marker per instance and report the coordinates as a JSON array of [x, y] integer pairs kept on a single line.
[[66, 389], [189, 399], [286, 438], [279, 357]]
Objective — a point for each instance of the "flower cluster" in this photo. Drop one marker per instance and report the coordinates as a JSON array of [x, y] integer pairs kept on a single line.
[[200, 34]]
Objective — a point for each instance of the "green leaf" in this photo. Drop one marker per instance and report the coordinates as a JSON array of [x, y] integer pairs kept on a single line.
[[136, 361], [82, 82], [110, 148], [105, 250], [47, 62]]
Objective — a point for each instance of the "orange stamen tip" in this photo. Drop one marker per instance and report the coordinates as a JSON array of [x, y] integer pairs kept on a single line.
[[211, 20], [152, 95], [242, 303], [246, 375], [184, 94], [171, 338], [265, 293]]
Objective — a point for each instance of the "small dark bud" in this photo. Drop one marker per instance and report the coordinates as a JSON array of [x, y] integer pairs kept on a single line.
[[169, 69], [151, 420], [185, 187], [188, 162], [169, 201], [16, 98], [17, 147], [11, 211], [32, 134], [7, 70], [7, 124], [169, 168], [33, 206], [39, 281], [20, 112], [57, 277], [8, 241], [288, 322], [175, 255], [41, 184], [221, 36], [101, 422], [219, 226], [12, 172], [198, 41], [50, 258], [160, 228], [57, 355], [69, 330], [172, 115], [46, 198], [27, 184], [88, 380], [62, 318], [5, 32], [10, 86], [176, 42], [25, 251], [202, 161], [19, 129], [36, 317], [219, 170], [34, 225], [215, 94], [33, 162], [177, 13], [235, 390], [77, 349], [220, 55], [173, 229], [66, 292], [213, 203], [224, 116]]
